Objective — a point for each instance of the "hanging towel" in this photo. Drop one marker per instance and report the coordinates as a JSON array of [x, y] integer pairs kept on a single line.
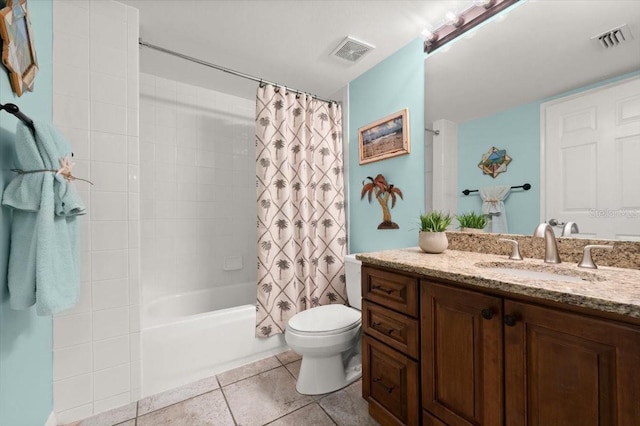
[[493, 205], [44, 256]]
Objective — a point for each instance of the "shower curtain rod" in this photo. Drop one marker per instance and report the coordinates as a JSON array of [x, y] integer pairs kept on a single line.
[[141, 42]]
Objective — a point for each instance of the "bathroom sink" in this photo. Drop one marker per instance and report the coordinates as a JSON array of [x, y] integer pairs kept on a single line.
[[537, 275], [539, 272]]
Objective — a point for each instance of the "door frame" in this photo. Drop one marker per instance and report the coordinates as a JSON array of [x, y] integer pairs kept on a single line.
[[543, 131]]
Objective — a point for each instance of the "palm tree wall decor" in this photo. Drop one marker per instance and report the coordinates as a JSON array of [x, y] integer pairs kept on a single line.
[[298, 155], [382, 190]]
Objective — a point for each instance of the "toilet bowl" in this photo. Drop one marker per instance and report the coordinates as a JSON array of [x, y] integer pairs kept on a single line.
[[328, 339]]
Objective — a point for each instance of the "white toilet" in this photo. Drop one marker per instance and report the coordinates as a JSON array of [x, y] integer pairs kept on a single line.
[[328, 338]]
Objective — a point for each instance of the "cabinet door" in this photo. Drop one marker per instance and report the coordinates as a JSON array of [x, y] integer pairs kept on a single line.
[[390, 384], [461, 355], [569, 369]]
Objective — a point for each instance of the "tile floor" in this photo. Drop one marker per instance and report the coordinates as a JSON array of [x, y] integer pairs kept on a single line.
[[261, 393]]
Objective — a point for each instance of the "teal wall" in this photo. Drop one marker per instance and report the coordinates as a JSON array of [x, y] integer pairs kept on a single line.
[[394, 84], [26, 360], [518, 131]]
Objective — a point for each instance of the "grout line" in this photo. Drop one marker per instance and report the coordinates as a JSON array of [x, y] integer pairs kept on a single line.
[[227, 402], [328, 415], [291, 412]]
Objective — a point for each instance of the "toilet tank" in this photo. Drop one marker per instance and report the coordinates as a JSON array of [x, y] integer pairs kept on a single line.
[[353, 281]]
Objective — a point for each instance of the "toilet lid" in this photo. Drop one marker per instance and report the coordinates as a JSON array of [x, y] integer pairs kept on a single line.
[[325, 318]]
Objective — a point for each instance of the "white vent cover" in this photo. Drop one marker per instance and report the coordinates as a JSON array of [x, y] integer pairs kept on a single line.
[[351, 49], [614, 37]]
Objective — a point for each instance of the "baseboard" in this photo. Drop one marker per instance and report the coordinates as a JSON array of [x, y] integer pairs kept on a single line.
[[51, 421]]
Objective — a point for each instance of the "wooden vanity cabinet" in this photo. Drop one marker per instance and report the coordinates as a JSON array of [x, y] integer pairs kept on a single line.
[[569, 369], [390, 346], [484, 357], [461, 356]]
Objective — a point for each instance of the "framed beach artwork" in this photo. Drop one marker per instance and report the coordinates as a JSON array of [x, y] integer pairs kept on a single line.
[[385, 138], [18, 50]]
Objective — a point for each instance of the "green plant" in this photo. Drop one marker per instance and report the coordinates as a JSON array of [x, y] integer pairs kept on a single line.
[[434, 221], [472, 220]]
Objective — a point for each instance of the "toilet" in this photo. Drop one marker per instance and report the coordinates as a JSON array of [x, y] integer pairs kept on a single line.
[[328, 338]]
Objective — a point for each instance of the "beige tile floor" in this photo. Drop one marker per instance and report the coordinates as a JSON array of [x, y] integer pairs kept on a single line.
[[261, 393]]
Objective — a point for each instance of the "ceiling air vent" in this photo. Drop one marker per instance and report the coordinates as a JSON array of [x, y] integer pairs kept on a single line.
[[614, 37], [351, 49]]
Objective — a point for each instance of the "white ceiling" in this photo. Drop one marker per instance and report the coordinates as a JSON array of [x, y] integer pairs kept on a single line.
[[541, 48], [287, 42]]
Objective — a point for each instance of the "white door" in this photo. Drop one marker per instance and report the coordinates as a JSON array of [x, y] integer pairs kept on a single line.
[[591, 167]]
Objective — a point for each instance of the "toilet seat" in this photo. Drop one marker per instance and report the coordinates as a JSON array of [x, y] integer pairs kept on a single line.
[[323, 320]]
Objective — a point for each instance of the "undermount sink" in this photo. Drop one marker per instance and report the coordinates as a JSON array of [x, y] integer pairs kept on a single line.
[[539, 272], [537, 275]]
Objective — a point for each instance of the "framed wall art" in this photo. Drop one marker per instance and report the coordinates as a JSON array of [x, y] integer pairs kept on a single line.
[[385, 138], [18, 50]]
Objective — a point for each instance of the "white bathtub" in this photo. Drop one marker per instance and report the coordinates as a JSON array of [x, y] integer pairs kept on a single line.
[[194, 335]]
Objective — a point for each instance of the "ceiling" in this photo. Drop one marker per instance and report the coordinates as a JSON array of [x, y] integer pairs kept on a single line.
[[287, 42], [540, 48]]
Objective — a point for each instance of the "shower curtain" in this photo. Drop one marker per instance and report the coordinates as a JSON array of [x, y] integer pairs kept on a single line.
[[300, 194]]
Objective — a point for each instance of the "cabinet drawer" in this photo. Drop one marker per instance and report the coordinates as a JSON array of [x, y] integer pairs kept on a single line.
[[390, 384], [396, 330], [392, 290]]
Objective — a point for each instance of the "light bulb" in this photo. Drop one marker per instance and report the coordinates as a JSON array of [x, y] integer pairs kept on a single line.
[[429, 36], [451, 18], [483, 3]]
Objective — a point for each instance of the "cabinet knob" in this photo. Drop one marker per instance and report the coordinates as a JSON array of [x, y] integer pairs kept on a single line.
[[487, 313], [510, 320]]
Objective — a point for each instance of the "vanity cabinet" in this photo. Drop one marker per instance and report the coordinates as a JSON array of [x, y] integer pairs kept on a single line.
[[390, 346], [461, 356], [485, 357], [565, 368]]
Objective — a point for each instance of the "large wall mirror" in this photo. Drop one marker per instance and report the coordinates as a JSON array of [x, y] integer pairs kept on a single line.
[[492, 83]]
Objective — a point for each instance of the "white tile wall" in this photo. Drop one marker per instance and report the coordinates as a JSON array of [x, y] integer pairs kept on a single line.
[[95, 83], [197, 187]]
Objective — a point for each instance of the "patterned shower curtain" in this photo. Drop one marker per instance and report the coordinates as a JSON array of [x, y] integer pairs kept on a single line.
[[301, 218]]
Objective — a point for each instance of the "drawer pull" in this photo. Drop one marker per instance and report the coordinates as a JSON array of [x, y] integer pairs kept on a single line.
[[379, 381], [379, 287], [379, 327]]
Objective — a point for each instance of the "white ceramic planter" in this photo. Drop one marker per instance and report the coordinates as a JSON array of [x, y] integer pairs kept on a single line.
[[433, 242]]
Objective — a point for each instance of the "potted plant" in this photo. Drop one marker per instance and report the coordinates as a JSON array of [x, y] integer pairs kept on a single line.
[[432, 238], [472, 222]]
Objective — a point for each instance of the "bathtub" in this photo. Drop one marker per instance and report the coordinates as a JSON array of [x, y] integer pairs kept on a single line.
[[190, 336]]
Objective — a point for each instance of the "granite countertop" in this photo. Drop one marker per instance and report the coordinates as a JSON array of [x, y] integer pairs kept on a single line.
[[605, 289]]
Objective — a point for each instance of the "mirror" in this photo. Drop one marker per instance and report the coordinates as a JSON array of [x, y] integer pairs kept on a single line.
[[492, 81]]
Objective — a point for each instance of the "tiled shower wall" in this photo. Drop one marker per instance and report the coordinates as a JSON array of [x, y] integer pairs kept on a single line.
[[95, 104], [197, 193]]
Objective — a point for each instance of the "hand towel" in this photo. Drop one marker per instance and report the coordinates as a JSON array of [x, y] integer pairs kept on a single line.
[[44, 265], [493, 205]]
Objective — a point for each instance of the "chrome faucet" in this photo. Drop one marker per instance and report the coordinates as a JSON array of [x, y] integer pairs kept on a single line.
[[550, 247], [569, 227]]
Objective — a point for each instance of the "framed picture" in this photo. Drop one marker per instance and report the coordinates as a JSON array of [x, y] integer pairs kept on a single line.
[[18, 50], [385, 138]]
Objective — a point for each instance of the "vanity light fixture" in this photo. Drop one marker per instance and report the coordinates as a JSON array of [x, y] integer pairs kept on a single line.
[[457, 24]]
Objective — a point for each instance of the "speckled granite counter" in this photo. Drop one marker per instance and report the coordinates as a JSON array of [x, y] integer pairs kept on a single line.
[[605, 289]]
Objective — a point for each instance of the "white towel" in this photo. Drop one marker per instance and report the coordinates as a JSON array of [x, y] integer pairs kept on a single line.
[[493, 205]]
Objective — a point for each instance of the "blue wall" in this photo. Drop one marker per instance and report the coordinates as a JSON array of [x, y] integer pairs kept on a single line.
[[26, 360], [394, 84], [518, 131]]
